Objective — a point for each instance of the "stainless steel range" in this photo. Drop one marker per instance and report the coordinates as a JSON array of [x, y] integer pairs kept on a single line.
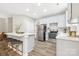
[[53, 34], [53, 30]]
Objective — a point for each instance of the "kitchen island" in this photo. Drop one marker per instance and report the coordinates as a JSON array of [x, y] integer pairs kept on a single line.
[[27, 39], [67, 46]]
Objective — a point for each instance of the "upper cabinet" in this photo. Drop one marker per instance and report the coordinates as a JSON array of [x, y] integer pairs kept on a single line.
[[75, 10], [72, 13]]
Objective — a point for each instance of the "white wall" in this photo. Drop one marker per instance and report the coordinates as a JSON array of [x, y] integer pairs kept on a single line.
[[27, 24], [3, 23], [5, 26], [3, 15]]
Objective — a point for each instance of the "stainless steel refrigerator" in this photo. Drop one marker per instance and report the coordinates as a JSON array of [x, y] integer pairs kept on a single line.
[[41, 32]]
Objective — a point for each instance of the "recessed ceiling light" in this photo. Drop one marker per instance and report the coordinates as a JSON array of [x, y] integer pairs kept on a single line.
[[45, 10], [27, 9], [39, 4]]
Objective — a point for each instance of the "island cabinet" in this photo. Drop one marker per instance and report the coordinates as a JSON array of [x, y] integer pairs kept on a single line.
[[28, 42], [67, 47]]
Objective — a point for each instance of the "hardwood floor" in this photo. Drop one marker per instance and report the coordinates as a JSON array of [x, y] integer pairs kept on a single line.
[[47, 48], [6, 51]]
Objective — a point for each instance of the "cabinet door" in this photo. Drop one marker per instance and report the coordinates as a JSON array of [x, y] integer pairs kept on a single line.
[[67, 48], [75, 10]]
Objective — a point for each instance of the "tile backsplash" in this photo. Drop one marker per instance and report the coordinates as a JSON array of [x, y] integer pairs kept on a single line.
[[62, 30]]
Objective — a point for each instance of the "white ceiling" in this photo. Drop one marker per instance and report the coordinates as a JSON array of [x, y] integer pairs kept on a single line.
[[33, 10]]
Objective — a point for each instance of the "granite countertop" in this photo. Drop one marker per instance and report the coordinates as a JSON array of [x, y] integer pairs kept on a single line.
[[65, 36]]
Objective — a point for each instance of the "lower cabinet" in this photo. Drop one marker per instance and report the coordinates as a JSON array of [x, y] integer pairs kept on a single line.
[[67, 48]]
